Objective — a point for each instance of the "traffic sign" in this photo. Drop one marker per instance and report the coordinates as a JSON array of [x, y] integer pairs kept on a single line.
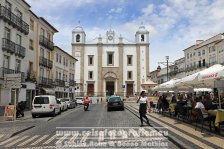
[[123, 86]]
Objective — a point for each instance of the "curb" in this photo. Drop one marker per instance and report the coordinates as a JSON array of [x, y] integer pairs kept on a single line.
[[171, 138], [18, 132]]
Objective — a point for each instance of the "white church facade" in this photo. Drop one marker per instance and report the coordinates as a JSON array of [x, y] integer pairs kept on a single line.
[[110, 64]]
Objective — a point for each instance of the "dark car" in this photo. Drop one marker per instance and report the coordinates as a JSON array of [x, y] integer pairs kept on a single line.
[[115, 102]]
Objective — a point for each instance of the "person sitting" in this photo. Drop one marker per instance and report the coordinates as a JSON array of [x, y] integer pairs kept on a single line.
[[180, 104], [200, 105], [208, 103]]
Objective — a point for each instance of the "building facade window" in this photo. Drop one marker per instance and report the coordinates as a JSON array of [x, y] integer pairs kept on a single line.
[[187, 55], [7, 33], [203, 52], [19, 13], [30, 67], [18, 65], [110, 58], [199, 53], [48, 36], [56, 57], [90, 75], [203, 62], [56, 74], [8, 6], [142, 38], [31, 44], [199, 64], [90, 58], [41, 52], [18, 39], [42, 31], [6, 61], [129, 60], [59, 76], [130, 75], [41, 72], [77, 38], [32, 24], [60, 59]]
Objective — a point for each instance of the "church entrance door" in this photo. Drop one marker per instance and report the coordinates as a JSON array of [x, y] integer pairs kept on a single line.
[[129, 90], [90, 90], [110, 88]]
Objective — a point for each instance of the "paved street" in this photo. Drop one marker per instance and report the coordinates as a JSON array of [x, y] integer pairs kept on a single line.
[[97, 118]]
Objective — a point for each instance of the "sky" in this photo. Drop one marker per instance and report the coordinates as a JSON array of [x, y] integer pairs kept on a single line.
[[173, 24]]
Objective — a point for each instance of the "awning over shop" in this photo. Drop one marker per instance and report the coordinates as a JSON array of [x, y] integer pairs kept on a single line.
[[49, 91]]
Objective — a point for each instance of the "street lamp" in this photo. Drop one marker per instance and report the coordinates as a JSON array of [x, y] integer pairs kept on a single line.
[[167, 67]]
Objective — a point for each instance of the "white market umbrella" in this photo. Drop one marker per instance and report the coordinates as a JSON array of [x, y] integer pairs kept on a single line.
[[211, 75], [167, 86], [188, 82]]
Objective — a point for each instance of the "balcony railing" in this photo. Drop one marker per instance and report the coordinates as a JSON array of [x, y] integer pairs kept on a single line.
[[59, 82], [4, 71], [45, 82], [14, 20], [71, 83], [46, 43], [31, 76], [11, 47], [45, 62]]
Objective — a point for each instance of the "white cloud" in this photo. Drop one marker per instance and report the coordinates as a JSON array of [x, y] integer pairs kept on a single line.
[[148, 10], [46, 6]]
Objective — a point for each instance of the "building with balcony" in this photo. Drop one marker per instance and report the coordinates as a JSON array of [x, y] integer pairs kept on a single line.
[[14, 28], [64, 73], [204, 54], [178, 72]]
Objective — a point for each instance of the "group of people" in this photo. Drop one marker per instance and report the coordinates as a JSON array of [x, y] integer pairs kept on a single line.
[[203, 102]]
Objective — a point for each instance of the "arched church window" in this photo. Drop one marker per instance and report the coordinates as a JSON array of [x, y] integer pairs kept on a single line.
[[142, 38], [77, 38]]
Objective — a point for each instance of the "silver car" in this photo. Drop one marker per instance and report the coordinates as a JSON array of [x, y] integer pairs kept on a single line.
[[70, 102]]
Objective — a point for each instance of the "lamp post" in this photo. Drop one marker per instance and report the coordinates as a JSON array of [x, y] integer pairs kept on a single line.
[[167, 67]]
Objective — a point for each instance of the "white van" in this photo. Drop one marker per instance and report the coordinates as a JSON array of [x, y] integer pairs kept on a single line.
[[45, 104]]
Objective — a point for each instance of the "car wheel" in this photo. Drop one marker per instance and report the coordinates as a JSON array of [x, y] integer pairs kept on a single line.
[[53, 113], [33, 115]]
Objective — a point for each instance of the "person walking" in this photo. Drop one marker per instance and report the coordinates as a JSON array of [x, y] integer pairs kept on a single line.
[[143, 107]]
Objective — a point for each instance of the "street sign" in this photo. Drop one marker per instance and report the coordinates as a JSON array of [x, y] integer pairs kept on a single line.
[[123, 86], [9, 112], [12, 81]]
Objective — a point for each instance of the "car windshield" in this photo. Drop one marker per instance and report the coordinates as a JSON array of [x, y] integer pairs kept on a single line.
[[65, 99], [41, 100], [79, 98], [114, 99]]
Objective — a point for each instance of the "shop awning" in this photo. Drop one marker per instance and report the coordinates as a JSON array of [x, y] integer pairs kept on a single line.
[[50, 91]]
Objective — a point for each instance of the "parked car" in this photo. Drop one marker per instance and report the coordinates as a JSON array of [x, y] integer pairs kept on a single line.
[[115, 102], [79, 100], [45, 105], [70, 102], [64, 105]]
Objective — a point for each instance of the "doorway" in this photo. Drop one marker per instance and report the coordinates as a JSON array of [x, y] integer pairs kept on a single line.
[[110, 88], [90, 90], [129, 90]]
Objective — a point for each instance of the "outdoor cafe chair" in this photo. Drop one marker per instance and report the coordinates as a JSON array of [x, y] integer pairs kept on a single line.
[[199, 118]]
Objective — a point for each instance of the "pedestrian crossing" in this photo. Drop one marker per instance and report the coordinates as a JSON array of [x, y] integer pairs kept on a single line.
[[51, 141]]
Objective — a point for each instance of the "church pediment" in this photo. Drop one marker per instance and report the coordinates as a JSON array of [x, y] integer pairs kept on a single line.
[[110, 76]]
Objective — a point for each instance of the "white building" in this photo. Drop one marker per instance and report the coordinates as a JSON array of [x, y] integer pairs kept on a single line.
[[203, 54], [14, 28], [110, 64], [64, 73], [178, 72]]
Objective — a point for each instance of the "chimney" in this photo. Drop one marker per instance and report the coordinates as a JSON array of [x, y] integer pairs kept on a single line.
[[199, 41]]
